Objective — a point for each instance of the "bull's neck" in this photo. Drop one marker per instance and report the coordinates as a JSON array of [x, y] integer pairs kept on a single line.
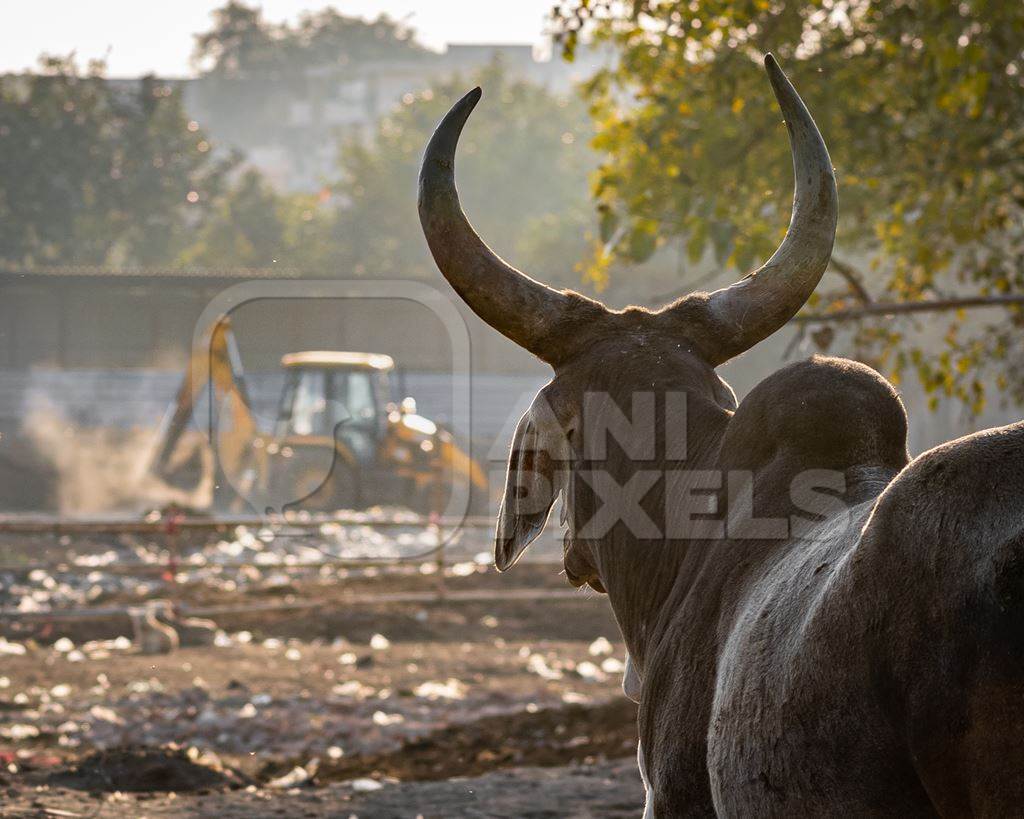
[[643, 576], [639, 595]]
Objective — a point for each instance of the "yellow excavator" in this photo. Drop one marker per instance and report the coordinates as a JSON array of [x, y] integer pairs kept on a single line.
[[339, 440]]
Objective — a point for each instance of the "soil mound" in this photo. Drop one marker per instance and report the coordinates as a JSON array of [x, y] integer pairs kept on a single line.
[[546, 738], [139, 770]]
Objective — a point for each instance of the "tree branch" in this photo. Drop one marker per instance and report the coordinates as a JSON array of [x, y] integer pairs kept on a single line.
[[853, 278], [903, 308]]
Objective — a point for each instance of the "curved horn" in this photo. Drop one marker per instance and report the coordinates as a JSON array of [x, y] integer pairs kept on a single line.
[[515, 305], [764, 300]]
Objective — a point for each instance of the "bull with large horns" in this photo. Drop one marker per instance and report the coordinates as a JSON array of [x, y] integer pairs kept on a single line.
[[816, 624]]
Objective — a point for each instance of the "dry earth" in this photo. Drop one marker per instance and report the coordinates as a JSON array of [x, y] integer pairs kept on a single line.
[[487, 707]]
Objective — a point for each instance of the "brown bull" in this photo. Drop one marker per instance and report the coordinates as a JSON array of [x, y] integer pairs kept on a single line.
[[819, 626]]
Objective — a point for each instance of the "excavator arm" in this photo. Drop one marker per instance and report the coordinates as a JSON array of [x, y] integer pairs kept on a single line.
[[211, 456]]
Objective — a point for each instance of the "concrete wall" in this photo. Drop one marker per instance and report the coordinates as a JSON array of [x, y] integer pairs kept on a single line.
[[105, 351], [105, 321]]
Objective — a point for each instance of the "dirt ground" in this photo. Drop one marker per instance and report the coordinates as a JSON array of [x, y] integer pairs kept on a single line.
[[600, 789], [474, 705]]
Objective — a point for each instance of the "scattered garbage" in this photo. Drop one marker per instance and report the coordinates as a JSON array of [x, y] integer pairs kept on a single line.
[[291, 700], [299, 775], [92, 567]]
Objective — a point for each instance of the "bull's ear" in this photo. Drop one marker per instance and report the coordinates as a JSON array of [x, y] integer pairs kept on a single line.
[[530, 491]]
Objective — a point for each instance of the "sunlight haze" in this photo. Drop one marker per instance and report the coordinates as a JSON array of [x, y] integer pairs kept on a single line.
[[143, 37]]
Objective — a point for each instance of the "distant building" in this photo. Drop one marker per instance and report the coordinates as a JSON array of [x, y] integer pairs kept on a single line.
[[289, 127]]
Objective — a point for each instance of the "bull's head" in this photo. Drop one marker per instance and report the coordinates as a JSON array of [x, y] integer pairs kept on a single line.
[[595, 350]]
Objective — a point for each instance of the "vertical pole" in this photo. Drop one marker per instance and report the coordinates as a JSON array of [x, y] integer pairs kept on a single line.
[[439, 557], [172, 528]]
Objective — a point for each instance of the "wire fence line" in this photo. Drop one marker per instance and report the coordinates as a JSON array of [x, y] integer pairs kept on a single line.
[[385, 598], [54, 524]]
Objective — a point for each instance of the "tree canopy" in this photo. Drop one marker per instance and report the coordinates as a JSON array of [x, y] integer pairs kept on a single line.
[[523, 179], [243, 43], [92, 172], [920, 102]]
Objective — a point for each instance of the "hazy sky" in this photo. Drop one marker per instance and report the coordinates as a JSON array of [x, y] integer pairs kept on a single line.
[[139, 36]]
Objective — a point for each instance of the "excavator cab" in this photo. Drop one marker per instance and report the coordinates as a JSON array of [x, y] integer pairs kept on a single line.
[[341, 441], [336, 395], [331, 423]]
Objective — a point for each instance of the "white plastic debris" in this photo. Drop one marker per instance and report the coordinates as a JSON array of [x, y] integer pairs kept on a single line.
[[613, 665], [19, 732], [589, 671], [104, 714], [383, 720], [365, 785], [352, 688], [247, 711], [451, 689], [7, 647], [539, 666], [295, 777]]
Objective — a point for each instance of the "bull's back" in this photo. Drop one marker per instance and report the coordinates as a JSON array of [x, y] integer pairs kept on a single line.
[[883, 670], [940, 571]]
